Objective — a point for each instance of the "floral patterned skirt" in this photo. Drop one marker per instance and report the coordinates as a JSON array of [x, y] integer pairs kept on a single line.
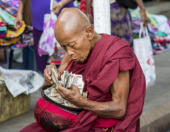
[[121, 22]]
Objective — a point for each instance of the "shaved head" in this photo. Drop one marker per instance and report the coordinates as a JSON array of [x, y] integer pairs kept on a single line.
[[71, 21], [75, 33]]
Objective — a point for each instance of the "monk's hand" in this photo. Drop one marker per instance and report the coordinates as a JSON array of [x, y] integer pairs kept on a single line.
[[48, 74], [57, 6], [72, 94]]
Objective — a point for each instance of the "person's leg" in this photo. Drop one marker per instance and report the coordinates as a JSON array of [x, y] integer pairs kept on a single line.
[[29, 58], [2, 55], [41, 61], [26, 57]]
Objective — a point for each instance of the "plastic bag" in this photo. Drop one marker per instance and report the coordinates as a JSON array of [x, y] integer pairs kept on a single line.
[[143, 51], [47, 41], [21, 81]]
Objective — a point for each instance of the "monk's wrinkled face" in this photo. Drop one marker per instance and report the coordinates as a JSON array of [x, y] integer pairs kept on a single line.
[[77, 45]]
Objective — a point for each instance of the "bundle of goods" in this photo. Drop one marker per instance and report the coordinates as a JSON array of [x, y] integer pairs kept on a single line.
[[158, 27], [8, 34], [9, 106], [10, 6], [3, 29]]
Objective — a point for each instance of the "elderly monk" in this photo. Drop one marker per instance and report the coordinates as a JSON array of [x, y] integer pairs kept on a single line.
[[112, 74]]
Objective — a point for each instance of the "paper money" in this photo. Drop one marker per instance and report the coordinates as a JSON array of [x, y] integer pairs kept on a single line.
[[78, 81], [67, 80], [54, 76]]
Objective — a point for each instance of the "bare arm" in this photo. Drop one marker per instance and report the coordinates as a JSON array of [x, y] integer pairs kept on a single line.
[[88, 6], [19, 17], [64, 2], [142, 12], [113, 109], [140, 4], [20, 8], [59, 5], [64, 63]]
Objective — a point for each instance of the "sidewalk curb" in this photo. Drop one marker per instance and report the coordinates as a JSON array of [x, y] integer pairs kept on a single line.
[[156, 119], [157, 8]]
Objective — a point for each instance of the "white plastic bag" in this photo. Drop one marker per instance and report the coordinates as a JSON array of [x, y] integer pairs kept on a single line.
[[143, 51], [21, 81], [47, 41]]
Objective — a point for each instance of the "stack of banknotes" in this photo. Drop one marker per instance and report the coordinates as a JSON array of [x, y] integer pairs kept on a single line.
[[67, 80]]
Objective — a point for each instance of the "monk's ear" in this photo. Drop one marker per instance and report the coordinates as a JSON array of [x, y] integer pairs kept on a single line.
[[90, 32]]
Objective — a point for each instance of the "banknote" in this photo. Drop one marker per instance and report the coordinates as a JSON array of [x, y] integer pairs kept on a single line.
[[54, 76], [67, 80]]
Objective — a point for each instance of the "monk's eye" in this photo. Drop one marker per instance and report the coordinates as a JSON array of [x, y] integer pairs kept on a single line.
[[72, 45], [64, 47]]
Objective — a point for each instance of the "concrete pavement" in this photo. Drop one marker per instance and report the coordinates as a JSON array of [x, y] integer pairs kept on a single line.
[[156, 114]]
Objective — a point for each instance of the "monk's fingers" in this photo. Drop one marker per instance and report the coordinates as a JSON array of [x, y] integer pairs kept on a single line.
[[57, 88], [75, 88], [60, 92], [47, 73], [62, 95], [49, 67], [64, 91], [53, 66]]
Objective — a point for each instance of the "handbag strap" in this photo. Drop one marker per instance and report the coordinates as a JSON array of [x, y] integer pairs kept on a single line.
[[143, 31]]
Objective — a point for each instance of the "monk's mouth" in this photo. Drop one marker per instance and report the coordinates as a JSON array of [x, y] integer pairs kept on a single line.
[[75, 60]]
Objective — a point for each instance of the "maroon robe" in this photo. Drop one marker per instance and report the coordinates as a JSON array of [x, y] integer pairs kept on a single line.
[[110, 56]]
